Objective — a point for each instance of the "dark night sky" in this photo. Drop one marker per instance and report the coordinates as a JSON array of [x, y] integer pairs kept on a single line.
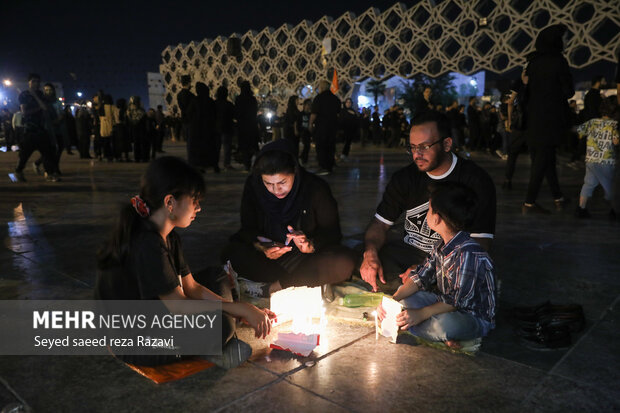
[[112, 44]]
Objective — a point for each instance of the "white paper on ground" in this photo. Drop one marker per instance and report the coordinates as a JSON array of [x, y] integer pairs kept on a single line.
[[301, 344], [388, 327]]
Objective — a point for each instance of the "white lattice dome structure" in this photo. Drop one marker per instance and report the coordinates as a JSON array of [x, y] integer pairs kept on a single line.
[[446, 37]]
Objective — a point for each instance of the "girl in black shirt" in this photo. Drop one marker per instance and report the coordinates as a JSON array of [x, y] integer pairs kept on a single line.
[[143, 258]]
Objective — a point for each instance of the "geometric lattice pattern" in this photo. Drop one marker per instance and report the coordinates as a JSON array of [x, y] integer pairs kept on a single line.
[[399, 41]]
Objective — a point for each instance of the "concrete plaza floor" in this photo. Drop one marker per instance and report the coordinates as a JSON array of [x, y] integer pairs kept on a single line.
[[50, 233]]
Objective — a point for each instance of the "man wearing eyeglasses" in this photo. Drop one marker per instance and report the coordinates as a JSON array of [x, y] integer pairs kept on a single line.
[[430, 146]]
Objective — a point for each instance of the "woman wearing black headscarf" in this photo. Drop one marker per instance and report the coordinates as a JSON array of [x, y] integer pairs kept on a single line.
[[246, 109], [203, 150], [290, 228], [549, 85]]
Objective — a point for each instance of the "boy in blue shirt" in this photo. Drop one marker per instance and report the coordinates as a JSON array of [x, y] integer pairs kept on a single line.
[[451, 296]]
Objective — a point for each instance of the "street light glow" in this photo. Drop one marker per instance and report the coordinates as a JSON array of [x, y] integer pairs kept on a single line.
[[7, 82], [79, 94]]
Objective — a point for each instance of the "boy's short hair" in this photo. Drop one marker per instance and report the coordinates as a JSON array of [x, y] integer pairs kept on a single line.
[[33, 76], [608, 107], [454, 202]]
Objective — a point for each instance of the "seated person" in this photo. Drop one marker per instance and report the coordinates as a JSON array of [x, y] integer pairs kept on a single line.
[[143, 259], [451, 297], [290, 229], [430, 146]]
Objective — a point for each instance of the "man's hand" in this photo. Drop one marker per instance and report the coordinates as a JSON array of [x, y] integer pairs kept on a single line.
[[301, 241], [410, 317], [371, 267]]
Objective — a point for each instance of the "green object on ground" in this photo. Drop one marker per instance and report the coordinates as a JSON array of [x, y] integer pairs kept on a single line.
[[362, 300]]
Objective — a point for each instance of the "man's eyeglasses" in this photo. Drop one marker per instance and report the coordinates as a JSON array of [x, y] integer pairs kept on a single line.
[[411, 149]]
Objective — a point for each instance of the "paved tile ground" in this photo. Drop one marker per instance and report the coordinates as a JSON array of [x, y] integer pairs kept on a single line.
[[50, 233]]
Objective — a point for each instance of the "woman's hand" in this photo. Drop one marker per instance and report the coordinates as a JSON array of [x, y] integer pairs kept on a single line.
[[273, 253], [259, 320], [301, 241]]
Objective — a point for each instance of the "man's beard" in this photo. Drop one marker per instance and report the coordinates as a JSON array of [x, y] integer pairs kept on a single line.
[[429, 166]]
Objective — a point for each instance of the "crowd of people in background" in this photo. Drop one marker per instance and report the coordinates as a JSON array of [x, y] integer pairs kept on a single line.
[[529, 117]]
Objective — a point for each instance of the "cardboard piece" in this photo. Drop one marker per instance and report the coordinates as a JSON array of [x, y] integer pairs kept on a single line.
[[173, 371]]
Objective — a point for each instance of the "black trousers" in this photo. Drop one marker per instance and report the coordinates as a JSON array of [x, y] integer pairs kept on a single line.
[[325, 150], [328, 266], [348, 138], [305, 139], [517, 142], [208, 279], [36, 140], [543, 166]]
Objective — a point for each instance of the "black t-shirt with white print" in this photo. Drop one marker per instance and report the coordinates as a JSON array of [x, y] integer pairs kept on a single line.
[[408, 192]]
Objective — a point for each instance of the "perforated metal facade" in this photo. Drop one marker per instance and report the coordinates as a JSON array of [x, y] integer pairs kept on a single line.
[[399, 41]]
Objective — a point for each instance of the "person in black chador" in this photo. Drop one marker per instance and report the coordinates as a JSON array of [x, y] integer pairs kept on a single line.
[[473, 120], [290, 228], [350, 124], [549, 86], [137, 127], [225, 123], [203, 148], [292, 122], [246, 109], [324, 125]]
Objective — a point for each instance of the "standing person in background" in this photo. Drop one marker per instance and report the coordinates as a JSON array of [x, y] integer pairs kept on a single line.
[[291, 123], [246, 109], [97, 108], [106, 126], [516, 125], [71, 129], [324, 126], [160, 119], [473, 120], [349, 122], [188, 106], [304, 131], [453, 115], [549, 86], [56, 127], [17, 122], [376, 126], [151, 132], [602, 139], [36, 137], [121, 144], [84, 126], [204, 149], [5, 125], [136, 126], [593, 99], [365, 126], [225, 123]]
